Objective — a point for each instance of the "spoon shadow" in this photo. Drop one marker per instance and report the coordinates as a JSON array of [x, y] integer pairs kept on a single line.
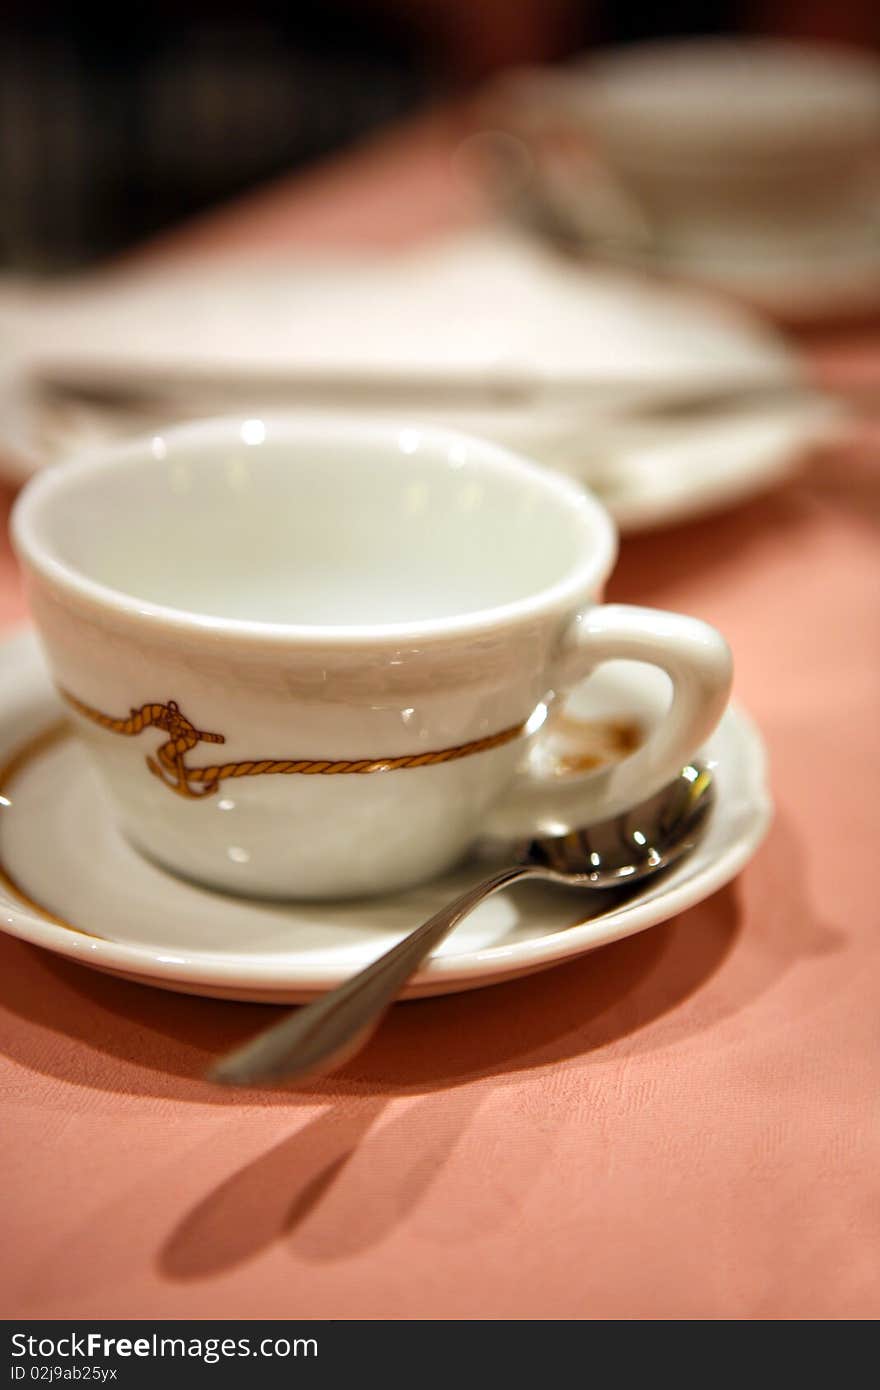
[[336, 1187], [346, 1178]]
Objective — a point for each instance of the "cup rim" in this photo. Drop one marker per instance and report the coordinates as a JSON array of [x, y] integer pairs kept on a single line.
[[41, 492]]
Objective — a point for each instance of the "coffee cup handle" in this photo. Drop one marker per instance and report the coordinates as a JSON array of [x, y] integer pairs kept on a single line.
[[698, 662]]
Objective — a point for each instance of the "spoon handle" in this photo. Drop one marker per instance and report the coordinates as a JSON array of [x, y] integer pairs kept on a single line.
[[325, 1033]]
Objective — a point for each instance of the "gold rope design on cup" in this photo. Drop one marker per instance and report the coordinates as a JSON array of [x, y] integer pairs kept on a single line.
[[169, 765]]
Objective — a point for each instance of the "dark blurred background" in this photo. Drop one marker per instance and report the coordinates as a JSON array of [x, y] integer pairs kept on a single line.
[[117, 121]]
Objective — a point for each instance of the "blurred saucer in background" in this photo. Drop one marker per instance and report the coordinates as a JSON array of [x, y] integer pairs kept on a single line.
[[748, 165]]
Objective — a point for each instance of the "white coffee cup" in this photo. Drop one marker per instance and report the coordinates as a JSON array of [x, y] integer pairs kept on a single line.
[[306, 656]]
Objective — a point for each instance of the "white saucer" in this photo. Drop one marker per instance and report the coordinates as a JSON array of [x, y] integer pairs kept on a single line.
[[72, 884]]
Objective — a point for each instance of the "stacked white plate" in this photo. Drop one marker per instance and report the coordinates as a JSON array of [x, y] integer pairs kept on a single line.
[[484, 331]]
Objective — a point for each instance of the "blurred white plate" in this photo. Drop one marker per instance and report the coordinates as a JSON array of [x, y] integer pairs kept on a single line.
[[479, 309]]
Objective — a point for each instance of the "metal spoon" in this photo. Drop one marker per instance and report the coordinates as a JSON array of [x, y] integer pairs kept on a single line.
[[625, 850]]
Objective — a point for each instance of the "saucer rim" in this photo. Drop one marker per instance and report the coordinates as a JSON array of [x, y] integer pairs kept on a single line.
[[238, 978]]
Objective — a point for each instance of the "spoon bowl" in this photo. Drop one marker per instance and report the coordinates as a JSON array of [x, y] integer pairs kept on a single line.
[[613, 854], [626, 848]]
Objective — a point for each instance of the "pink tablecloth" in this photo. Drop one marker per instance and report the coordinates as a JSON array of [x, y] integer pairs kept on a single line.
[[684, 1125]]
